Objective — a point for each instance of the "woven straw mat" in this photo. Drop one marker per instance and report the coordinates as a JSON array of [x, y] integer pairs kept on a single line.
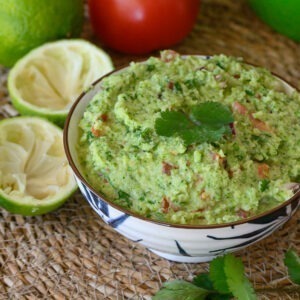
[[72, 254]]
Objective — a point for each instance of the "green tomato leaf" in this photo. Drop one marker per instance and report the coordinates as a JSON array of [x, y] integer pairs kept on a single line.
[[211, 113], [180, 290], [217, 274], [292, 261], [238, 283]]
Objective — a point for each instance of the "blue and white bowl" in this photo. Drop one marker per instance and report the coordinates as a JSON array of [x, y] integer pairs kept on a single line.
[[181, 243]]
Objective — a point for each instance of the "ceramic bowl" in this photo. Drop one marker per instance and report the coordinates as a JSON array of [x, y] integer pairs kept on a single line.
[[181, 243]]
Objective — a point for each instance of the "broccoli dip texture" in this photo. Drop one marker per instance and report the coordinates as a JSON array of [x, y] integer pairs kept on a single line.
[[192, 140]]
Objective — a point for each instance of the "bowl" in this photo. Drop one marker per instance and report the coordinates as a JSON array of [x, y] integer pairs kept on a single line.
[[180, 243]]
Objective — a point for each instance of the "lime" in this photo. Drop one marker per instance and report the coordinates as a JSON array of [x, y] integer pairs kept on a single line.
[[35, 177], [47, 80], [283, 16], [26, 24]]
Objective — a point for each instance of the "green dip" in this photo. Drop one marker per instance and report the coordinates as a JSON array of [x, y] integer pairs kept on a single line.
[[242, 174]]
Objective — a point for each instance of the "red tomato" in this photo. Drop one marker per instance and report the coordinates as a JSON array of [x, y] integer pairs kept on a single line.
[[141, 26]]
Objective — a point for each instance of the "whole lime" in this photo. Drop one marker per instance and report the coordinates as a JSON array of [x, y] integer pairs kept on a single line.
[[26, 24], [283, 16]]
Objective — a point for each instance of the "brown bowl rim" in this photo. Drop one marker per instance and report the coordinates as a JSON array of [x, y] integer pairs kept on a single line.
[[140, 217]]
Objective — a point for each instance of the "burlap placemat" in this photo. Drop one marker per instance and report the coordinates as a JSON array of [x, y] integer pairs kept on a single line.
[[72, 254]]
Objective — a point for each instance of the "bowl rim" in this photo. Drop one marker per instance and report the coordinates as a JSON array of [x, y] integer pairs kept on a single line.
[[134, 214]]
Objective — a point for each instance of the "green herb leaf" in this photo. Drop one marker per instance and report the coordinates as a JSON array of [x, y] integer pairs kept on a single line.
[[264, 185], [172, 122], [125, 197], [202, 134], [180, 290], [150, 67], [208, 122], [249, 92], [202, 280], [238, 283], [292, 261], [177, 87], [219, 297], [212, 113], [217, 274]]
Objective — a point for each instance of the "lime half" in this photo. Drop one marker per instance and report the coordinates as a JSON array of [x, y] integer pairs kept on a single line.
[[47, 80], [35, 177]]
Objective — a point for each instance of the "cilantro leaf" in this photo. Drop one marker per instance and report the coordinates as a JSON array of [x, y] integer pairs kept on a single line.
[[292, 261], [212, 113], [125, 198], [172, 122], [123, 195], [202, 134], [207, 122], [217, 274], [202, 280], [264, 185], [180, 290], [219, 297], [238, 283]]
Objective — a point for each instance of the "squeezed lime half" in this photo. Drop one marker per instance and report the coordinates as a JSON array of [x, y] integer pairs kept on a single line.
[[47, 80], [35, 177]]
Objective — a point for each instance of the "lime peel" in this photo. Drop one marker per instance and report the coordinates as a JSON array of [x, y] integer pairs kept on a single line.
[[47, 80], [35, 177], [28, 24]]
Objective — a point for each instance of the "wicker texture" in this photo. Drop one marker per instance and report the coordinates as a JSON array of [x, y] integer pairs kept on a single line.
[[72, 254]]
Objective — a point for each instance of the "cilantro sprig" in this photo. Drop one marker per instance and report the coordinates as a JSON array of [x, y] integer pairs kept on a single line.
[[292, 262], [181, 290], [206, 122], [226, 280], [264, 185], [238, 283]]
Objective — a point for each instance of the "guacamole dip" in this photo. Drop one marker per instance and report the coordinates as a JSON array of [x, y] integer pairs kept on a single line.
[[143, 147]]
